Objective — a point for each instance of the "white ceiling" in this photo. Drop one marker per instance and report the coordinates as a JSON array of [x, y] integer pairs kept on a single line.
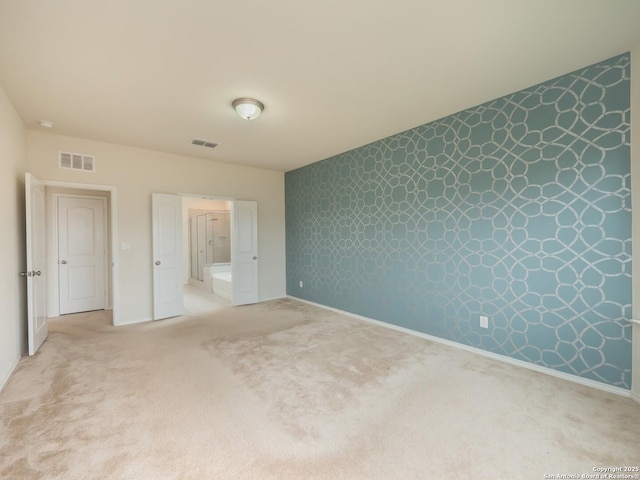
[[333, 74]]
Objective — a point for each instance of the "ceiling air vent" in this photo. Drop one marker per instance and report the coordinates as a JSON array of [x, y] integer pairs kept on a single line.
[[203, 143], [77, 161]]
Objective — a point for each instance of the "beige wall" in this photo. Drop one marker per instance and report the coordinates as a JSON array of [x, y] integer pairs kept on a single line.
[[635, 210], [137, 173], [12, 257]]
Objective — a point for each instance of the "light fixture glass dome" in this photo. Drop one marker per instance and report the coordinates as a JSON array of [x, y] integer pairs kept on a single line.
[[248, 108]]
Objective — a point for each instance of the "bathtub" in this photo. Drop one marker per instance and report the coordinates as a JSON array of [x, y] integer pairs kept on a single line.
[[222, 284]]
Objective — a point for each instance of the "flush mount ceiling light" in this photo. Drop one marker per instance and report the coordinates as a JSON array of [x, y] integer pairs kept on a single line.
[[248, 108], [45, 124]]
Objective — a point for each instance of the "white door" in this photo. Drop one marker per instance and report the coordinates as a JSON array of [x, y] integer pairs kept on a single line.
[[36, 262], [81, 254], [167, 256], [193, 236], [244, 255], [202, 245]]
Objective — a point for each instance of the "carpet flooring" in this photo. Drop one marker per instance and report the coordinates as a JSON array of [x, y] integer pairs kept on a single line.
[[285, 390]]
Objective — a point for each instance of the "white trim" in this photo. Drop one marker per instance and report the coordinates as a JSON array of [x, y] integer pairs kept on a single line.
[[635, 397], [502, 358], [206, 197], [133, 322], [55, 308], [115, 272], [262, 300], [9, 372], [80, 186], [113, 195]]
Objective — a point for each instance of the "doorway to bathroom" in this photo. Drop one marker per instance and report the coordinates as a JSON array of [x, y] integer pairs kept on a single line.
[[207, 254]]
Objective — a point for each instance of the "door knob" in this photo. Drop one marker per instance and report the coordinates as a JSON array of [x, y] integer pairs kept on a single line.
[[255, 258], [63, 262], [31, 274], [157, 262]]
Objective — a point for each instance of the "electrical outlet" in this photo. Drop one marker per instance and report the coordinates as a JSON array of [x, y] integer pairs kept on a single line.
[[300, 283], [484, 322]]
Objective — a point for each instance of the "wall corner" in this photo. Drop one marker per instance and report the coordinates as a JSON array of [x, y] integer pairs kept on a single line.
[[635, 215]]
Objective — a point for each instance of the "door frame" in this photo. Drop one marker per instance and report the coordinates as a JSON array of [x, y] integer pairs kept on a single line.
[[54, 279], [218, 198], [111, 218], [232, 201]]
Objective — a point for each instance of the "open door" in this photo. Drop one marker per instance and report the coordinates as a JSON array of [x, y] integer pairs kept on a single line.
[[167, 256], [36, 262], [244, 253]]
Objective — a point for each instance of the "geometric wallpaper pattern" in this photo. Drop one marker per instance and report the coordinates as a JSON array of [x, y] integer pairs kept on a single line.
[[518, 209]]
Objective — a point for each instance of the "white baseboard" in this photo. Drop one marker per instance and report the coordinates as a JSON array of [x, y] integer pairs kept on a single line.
[[132, 322], [502, 358], [6, 375], [271, 299]]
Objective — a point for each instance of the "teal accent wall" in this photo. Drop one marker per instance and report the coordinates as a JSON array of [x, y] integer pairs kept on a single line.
[[518, 209]]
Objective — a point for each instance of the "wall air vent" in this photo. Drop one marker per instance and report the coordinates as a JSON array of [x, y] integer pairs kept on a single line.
[[203, 143], [77, 161]]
